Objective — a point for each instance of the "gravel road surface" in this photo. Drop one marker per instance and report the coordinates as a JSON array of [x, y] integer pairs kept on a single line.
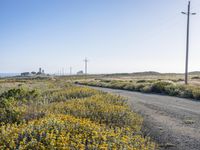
[[172, 122]]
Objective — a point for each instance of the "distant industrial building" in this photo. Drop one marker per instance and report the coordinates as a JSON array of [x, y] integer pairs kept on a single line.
[[80, 72], [33, 73], [24, 74]]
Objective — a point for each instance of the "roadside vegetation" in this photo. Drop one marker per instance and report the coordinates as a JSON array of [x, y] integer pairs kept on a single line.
[[167, 87], [54, 114]]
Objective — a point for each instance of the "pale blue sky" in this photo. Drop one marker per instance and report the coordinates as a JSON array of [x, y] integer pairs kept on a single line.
[[115, 35]]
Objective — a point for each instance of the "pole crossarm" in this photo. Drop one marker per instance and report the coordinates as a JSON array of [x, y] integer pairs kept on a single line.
[[185, 13]]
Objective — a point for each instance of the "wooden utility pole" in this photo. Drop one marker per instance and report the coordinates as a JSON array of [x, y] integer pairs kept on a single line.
[[70, 72], [86, 61], [188, 13]]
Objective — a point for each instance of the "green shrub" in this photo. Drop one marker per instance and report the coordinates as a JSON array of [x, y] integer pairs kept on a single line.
[[139, 87], [159, 87], [106, 81], [141, 81], [186, 93], [118, 85], [20, 95], [196, 77], [130, 87], [146, 89], [196, 93], [154, 86], [172, 90], [10, 115], [12, 104]]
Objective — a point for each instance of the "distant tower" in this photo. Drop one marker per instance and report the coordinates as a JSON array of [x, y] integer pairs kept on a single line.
[[40, 70], [63, 71]]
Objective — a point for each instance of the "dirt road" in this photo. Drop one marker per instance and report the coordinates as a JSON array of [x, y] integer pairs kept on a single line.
[[172, 122]]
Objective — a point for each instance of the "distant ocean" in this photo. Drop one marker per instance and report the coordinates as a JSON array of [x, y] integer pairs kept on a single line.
[[8, 74]]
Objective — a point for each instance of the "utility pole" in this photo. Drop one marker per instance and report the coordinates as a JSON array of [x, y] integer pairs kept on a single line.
[[188, 13], [62, 71], [70, 70], [86, 61]]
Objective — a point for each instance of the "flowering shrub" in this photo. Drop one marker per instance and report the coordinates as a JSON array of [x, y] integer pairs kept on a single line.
[[64, 116], [105, 108], [68, 132], [71, 92]]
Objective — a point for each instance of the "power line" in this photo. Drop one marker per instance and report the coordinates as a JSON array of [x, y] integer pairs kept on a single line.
[[188, 13]]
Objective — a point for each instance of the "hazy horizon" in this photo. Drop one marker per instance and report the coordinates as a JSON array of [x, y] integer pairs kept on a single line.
[[116, 36], [66, 73]]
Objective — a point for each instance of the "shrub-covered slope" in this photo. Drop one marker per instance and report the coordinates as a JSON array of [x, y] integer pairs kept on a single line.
[[149, 86], [63, 116]]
